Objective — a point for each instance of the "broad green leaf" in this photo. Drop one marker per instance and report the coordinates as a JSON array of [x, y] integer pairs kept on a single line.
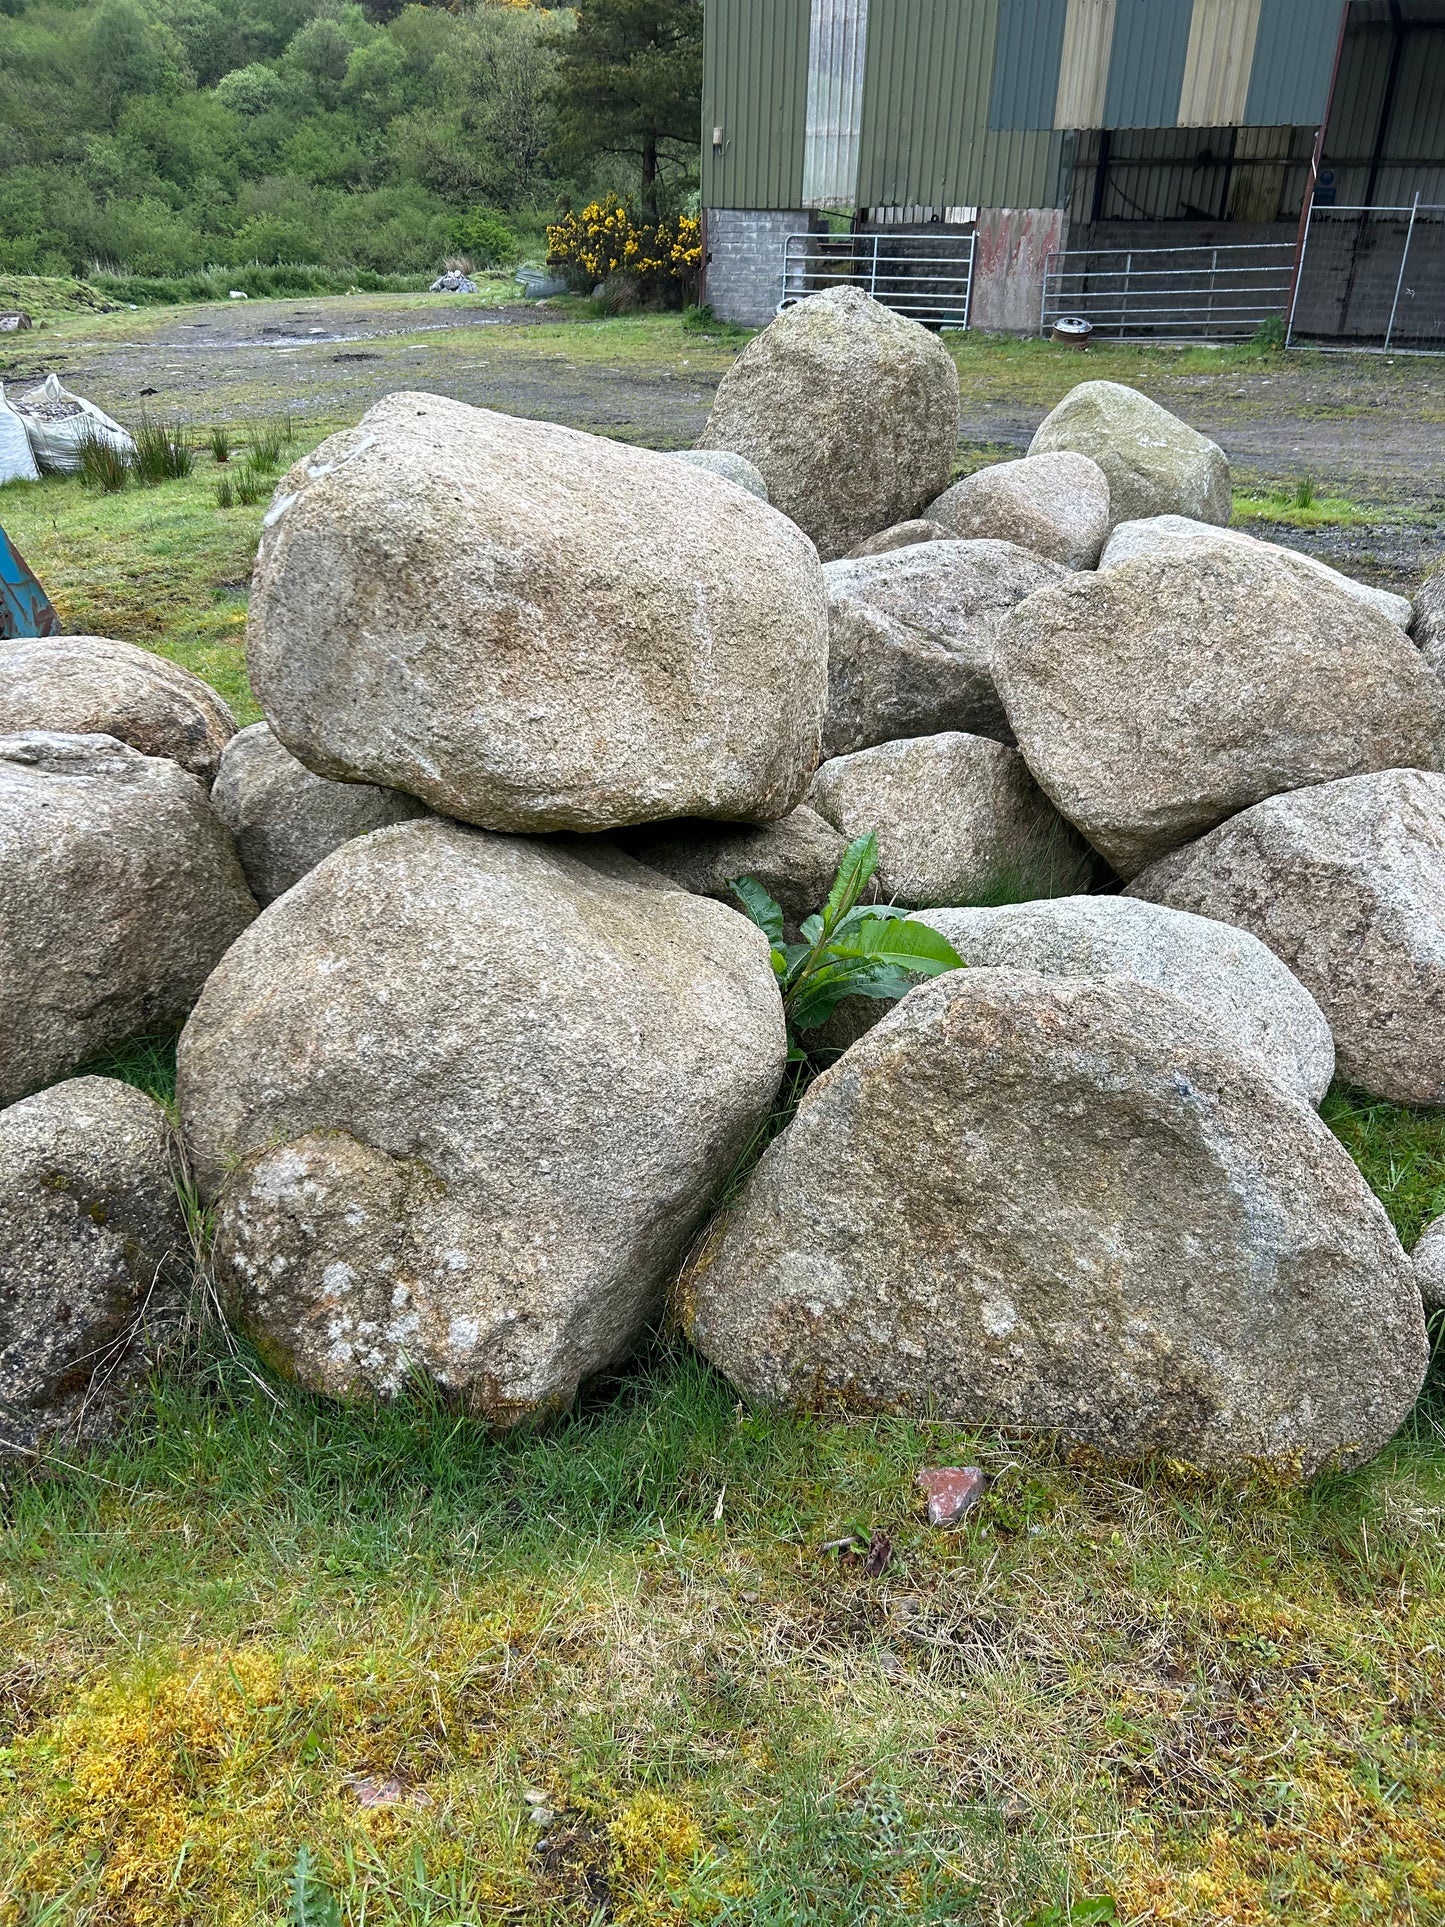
[[908, 946], [765, 913], [860, 860], [883, 911], [778, 959], [812, 930]]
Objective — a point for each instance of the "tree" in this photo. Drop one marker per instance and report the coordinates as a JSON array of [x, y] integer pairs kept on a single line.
[[630, 83]]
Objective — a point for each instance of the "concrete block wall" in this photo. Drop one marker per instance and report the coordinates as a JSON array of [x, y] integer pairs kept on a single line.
[[744, 280]]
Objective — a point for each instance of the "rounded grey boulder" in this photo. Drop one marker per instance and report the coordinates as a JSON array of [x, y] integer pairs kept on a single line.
[[794, 859], [729, 467], [1155, 463], [535, 629], [911, 638], [1055, 505], [93, 1256], [849, 411], [1226, 974], [96, 686], [1428, 626], [462, 1100], [1157, 698], [119, 892], [902, 535], [957, 817], [1179, 535], [285, 818], [1345, 882], [1428, 1258], [1067, 1205]]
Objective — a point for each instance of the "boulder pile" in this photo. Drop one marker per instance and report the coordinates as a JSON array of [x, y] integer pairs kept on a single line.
[[477, 1035]]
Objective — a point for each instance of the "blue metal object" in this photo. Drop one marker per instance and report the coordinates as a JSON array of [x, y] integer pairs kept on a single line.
[[25, 608]]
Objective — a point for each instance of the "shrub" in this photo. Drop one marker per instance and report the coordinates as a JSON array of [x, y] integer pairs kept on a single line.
[[663, 258], [486, 239], [163, 452]]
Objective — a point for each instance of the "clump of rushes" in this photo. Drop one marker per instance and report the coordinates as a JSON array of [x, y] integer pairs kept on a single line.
[[1304, 492], [225, 494], [102, 463], [252, 483], [220, 441], [848, 949], [163, 451], [265, 451]]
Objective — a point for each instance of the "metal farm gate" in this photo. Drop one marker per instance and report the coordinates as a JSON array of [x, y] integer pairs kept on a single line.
[[1169, 294], [924, 276], [1371, 277]]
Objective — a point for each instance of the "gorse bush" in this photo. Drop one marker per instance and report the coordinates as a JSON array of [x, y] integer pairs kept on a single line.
[[848, 949], [663, 257]]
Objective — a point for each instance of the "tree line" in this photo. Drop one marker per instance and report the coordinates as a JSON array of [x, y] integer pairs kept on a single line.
[[159, 137]]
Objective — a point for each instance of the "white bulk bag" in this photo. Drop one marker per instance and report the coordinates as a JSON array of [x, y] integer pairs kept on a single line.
[[17, 463], [59, 424]]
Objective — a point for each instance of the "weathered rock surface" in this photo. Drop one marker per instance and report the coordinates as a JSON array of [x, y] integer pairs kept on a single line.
[[1155, 463], [1069, 1205], [285, 818], [911, 638], [732, 468], [1346, 883], [95, 686], [536, 629], [1428, 626], [903, 535], [119, 891], [92, 1255], [1179, 535], [1227, 975], [850, 412], [1429, 1262], [1055, 505], [794, 859], [464, 1100], [957, 816], [1157, 698]]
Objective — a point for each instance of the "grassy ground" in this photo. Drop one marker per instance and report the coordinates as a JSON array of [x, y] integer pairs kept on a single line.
[[257, 1627]]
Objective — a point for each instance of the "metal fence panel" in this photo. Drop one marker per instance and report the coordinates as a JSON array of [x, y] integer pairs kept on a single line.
[[924, 276], [1372, 278], [1192, 294]]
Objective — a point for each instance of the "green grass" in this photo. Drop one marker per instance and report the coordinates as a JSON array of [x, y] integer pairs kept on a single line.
[[1287, 508]]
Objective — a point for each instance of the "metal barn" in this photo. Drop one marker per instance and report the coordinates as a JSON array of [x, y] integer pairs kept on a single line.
[[1166, 168]]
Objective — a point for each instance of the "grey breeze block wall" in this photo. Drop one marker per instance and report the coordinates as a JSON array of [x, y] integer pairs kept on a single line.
[[745, 261]]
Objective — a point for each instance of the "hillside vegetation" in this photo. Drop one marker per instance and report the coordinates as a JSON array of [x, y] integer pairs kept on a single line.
[[159, 137]]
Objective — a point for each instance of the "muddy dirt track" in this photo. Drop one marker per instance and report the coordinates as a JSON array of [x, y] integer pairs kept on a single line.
[[1365, 426]]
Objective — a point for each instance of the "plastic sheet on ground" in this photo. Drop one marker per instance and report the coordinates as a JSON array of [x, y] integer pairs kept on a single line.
[[59, 424]]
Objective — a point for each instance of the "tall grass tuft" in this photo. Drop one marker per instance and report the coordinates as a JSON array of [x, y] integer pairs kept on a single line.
[[219, 440], [265, 451], [252, 483], [102, 463], [1304, 492], [163, 451], [225, 493]]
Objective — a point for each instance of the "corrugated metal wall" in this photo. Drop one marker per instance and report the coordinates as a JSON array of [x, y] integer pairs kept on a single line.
[[926, 137], [755, 90], [1404, 154]]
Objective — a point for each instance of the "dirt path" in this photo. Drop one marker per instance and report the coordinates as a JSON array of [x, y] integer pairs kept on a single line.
[[1367, 427]]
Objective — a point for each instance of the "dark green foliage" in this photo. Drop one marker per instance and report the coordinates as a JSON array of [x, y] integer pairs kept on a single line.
[[163, 451], [176, 138], [1400, 1151], [103, 465], [848, 949], [486, 239], [630, 85], [147, 1062]]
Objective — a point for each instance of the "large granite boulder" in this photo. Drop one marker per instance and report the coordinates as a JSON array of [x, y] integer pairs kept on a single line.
[[93, 1256], [902, 535], [1155, 463], [1429, 1261], [795, 859], [535, 629], [722, 462], [462, 1100], [911, 637], [1157, 698], [1227, 975], [1070, 1205], [285, 818], [1179, 535], [958, 818], [1428, 624], [850, 412], [119, 892], [1346, 883], [95, 686], [1055, 505]]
